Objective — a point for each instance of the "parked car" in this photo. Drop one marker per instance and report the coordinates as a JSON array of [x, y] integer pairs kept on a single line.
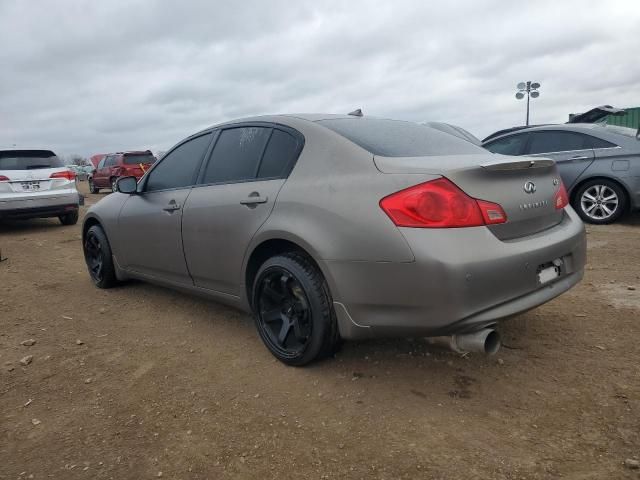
[[338, 227], [599, 164], [95, 159], [121, 164], [36, 184], [595, 115]]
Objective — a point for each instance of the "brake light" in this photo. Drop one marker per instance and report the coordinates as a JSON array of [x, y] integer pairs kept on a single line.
[[562, 199], [440, 204], [3, 178], [68, 174]]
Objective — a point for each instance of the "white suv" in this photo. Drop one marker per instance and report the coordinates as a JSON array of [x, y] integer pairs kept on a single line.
[[36, 184]]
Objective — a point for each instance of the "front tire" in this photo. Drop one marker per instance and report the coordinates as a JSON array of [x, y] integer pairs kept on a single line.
[[97, 255], [600, 201], [69, 218], [293, 310], [92, 186], [114, 186]]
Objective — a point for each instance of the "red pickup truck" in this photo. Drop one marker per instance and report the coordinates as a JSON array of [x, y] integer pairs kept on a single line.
[[120, 164]]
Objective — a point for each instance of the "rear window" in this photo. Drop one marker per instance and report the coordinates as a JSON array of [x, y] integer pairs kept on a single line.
[[395, 138], [135, 159], [29, 160]]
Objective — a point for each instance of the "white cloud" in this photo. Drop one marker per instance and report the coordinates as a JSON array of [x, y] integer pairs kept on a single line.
[[87, 77]]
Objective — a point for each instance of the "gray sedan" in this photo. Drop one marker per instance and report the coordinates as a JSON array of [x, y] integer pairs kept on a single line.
[[599, 164], [331, 227]]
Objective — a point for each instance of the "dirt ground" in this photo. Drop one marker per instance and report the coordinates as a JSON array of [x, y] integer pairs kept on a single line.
[[142, 382]]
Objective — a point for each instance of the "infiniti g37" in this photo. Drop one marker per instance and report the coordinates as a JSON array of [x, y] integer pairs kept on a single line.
[[331, 227]]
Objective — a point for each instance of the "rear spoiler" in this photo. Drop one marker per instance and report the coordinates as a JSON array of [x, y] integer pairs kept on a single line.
[[518, 164]]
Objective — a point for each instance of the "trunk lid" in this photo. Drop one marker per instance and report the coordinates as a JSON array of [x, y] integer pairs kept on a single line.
[[525, 187]]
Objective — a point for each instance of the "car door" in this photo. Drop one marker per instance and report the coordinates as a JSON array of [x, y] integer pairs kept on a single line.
[[235, 195], [150, 222], [570, 150], [100, 176]]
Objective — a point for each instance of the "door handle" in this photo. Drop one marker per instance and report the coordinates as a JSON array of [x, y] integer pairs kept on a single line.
[[172, 207], [253, 199], [579, 157]]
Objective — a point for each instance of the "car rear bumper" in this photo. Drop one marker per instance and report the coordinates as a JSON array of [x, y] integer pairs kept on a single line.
[[40, 206], [461, 280]]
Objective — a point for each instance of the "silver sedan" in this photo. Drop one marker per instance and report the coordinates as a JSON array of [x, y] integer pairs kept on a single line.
[[599, 164], [331, 227]]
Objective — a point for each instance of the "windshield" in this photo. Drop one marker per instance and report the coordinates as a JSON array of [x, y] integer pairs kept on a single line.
[[135, 159], [394, 138], [28, 160]]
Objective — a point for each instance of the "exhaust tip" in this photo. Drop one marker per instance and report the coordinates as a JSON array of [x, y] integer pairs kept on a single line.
[[492, 343], [485, 341]]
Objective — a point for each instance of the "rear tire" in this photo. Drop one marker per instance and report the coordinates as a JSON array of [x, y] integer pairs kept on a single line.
[[92, 187], [293, 310], [600, 201], [69, 218], [97, 255]]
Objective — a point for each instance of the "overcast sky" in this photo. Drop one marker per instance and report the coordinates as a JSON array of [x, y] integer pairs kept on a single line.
[[96, 76]]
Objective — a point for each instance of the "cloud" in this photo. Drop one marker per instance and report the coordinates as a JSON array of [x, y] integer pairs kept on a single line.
[[86, 77]]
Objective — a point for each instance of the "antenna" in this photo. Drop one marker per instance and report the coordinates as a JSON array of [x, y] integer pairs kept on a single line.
[[356, 113]]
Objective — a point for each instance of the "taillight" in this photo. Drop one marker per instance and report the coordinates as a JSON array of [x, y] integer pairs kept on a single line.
[[68, 174], [3, 178], [562, 199], [440, 204]]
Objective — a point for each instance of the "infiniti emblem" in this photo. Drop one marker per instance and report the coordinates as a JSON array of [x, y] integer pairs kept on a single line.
[[530, 187]]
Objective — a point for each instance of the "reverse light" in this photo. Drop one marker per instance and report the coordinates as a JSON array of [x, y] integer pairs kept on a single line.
[[68, 174], [562, 199], [440, 204]]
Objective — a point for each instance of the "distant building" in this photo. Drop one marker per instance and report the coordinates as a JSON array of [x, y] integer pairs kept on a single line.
[[630, 119]]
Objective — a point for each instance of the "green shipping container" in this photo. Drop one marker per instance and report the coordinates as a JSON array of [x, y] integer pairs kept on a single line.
[[630, 119]]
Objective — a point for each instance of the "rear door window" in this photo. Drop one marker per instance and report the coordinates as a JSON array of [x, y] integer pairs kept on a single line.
[[179, 168], [236, 155], [556, 141], [594, 142], [282, 151], [29, 160], [512, 145]]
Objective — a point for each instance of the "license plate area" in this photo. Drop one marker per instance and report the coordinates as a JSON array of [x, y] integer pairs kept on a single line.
[[549, 271], [30, 186]]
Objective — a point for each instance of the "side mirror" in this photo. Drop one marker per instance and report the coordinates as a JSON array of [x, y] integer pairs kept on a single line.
[[128, 185]]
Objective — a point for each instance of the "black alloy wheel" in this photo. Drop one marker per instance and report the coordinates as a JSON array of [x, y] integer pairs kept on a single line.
[[97, 255], [293, 310]]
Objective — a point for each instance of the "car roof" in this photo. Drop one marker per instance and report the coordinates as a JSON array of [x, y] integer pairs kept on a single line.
[[129, 152], [286, 119], [573, 127], [24, 149], [604, 131]]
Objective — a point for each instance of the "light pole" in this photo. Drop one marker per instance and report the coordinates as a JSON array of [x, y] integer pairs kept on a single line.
[[531, 90]]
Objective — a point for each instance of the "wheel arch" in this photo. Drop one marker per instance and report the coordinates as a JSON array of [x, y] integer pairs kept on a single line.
[[87, 224], [581, 182], [269, 247]]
